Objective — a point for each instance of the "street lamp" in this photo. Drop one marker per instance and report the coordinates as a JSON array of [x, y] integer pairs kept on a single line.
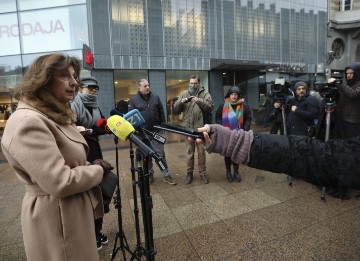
[[330, 57]]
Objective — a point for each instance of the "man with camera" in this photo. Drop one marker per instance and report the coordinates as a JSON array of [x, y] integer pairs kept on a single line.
[[347, 114], [302, 110]]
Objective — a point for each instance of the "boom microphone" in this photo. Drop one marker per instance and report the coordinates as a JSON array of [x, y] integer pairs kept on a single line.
[[123, 129]]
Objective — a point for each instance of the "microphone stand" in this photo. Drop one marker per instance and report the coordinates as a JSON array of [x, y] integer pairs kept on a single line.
[[120, 235]]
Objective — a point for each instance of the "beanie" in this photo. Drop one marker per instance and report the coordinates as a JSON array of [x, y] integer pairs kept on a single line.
[[300, 84]]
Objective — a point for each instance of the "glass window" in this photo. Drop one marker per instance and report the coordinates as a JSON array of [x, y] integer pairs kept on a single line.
[[176, 82], [9, 35], [53, 29], [36, 4], [125, 86], [7, 6]]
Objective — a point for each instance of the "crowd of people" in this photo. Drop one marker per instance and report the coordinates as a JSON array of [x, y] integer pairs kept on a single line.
[[56, 126]]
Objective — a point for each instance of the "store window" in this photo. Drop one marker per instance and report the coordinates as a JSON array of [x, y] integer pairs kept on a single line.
[[125, 86], [176, 82]]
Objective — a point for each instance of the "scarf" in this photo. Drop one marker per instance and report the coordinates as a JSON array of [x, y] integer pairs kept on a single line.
[[81, 105], [233, 119]]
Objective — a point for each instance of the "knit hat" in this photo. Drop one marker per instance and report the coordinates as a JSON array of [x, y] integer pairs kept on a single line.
[[233, 89], [300, 84], [89, 81]]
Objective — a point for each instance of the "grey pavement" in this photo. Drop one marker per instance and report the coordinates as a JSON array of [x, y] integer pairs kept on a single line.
[[261, 218]]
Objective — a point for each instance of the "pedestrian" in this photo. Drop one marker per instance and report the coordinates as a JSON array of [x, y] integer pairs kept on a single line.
[[86, 107], [193, 102], [234, 114], [152, 110]]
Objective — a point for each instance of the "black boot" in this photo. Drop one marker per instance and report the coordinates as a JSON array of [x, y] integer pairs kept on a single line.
[[228, 169], [189, 177], [236, 172]]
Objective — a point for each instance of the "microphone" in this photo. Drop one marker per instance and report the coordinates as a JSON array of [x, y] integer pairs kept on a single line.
[[135, 118], [137, 121], [123, 129], [180, 130], [116, 112], [102, 124]]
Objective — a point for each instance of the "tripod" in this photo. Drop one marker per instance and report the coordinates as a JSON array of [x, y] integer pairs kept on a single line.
[[146, 201], [329, 108], [283, 114], [120, 235]]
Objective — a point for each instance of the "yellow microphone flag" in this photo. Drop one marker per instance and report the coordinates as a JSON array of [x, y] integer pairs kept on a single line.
[[120, 127]]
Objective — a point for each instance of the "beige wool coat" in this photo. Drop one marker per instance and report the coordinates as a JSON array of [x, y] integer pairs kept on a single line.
[[62, 197]]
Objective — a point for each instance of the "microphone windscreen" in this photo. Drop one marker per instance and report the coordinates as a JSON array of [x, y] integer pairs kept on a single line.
[[120, 127], [115, 112], [135, 118], [101, 123]]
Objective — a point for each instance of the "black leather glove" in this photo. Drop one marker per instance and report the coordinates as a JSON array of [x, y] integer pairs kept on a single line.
[[107, 167]]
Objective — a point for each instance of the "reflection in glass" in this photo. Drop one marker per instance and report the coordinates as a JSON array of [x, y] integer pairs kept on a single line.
[[36, 4]]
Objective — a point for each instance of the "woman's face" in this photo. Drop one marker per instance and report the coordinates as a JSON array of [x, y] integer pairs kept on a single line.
[[63, 88], [234, 96]]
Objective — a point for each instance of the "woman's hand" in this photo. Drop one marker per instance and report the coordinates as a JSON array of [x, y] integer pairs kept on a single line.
[[206, 142], [107, 167]]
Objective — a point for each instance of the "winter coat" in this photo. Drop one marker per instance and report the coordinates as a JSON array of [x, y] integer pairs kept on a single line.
[[331, 164], [193, 115], [348, 108], [247, 115], [150, 107], [62, 197]]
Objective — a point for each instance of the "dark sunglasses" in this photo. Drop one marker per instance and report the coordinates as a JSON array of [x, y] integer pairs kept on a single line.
[[91, 87]]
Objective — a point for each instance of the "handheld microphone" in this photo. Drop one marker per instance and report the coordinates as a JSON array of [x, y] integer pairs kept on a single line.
[[180, 130], [102, 124], [124, 130], [137, 120], [116, 112]]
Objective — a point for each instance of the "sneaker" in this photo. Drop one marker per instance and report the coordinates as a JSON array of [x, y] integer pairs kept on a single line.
[[168, 179], [102, 239], [204, 178]]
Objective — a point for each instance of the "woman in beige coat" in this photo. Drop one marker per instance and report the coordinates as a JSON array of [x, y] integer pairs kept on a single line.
[[48, 154]]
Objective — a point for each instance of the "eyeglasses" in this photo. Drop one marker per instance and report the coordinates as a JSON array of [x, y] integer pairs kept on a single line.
[[91, 87]]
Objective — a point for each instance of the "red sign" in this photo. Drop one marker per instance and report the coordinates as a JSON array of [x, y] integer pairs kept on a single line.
[[88, 59]]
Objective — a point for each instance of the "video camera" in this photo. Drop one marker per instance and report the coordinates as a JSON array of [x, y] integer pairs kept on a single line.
[[329, 91], [280, 89]]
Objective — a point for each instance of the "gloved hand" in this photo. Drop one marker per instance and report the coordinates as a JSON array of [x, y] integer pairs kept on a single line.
[[107, 167]]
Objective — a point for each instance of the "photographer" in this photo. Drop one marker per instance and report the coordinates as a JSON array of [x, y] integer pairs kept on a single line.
[[348, 108], [347, 113], [334, 163], [302, 110]]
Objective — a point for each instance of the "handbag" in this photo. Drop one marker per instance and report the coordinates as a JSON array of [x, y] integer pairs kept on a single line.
[[108, 186]]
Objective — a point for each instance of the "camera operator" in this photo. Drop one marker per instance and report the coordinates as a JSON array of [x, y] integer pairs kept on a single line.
[[347, 113], [302, 110]]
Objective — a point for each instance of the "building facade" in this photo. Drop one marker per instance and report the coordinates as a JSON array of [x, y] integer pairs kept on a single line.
[[226, 42], [343, 35]]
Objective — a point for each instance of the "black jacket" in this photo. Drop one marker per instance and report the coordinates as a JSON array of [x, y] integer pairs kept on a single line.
[[334, 163], [150, 108]]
